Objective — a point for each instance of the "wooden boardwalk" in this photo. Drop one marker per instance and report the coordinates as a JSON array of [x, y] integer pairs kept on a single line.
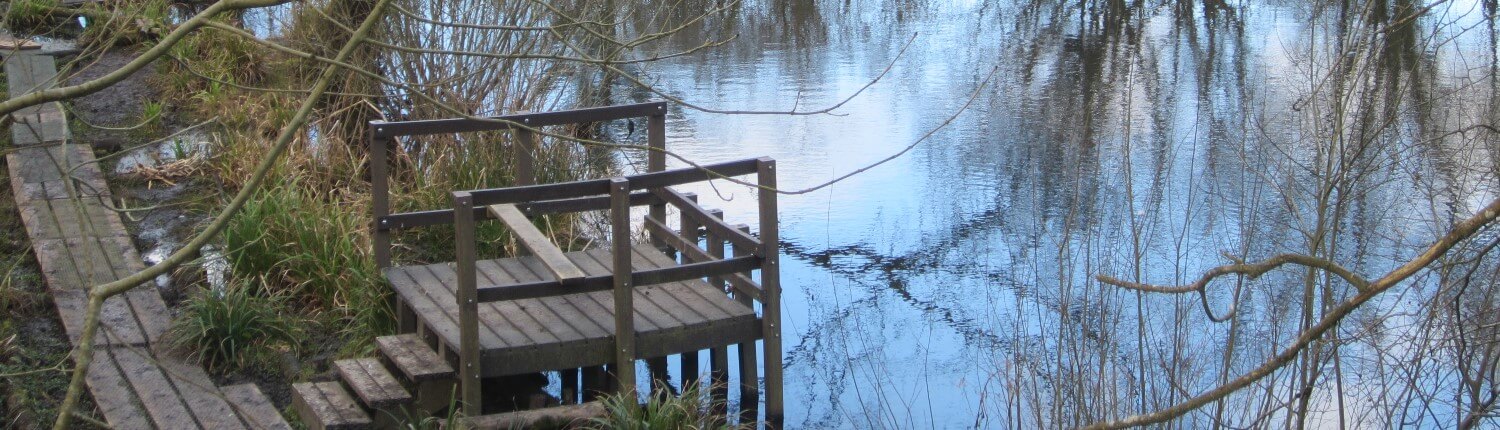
[[79, 242]]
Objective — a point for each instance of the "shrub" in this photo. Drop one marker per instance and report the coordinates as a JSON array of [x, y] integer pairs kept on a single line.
[[231, 327], [312, 249], [662, 411]]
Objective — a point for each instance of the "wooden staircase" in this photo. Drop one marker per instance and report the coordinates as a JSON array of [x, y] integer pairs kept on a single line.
[[407, 380]]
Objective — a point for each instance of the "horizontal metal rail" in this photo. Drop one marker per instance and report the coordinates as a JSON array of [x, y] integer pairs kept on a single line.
[[386, 130]]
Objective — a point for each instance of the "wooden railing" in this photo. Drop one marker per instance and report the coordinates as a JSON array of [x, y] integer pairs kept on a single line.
[[512, 206], [383, 135]]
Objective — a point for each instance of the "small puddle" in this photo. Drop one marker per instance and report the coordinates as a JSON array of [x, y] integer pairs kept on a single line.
[[161, 155], [160, 184]]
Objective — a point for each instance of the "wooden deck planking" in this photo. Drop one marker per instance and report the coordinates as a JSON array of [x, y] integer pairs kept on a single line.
[[374, 385], [164, 405], [561, 306], [203, 399], [553, 326], [644, 306], [113, 394], [253, 407], [644, 320], [573, 330], [584, 304], [416, 361]]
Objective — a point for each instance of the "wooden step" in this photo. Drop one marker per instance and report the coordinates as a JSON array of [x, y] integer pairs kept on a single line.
[[254, 408], [416, 361], [327, 406], [372, 382]]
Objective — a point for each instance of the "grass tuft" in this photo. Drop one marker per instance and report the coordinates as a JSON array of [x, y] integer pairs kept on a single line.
[[662, 411], [233, 328]]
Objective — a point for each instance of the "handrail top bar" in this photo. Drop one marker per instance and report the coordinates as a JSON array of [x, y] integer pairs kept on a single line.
[[593, 187], [386, 130]]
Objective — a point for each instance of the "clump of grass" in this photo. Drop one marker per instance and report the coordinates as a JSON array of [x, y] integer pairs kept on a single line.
[[312, 248], [232, 328], [30, 14], [662, 411], [123, 23]]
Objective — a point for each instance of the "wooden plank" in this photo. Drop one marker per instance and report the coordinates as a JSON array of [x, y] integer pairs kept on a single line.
[[705, 299], [429, 313], [10, 43], [162, 402], [523, 145], [709, 222], [372, 382], [568, 378], [203, 399], [562, 307], [566, 190], [413, 358], [326, 406], [63, 219], [436, 282], [537, 119], [380, 197], [599, 325], [695, 254], [254, 408], [112, 393], [416, 219], [675, 297], [539, 244], [117, 325], [538, 310], [508, 321], [598, 259]]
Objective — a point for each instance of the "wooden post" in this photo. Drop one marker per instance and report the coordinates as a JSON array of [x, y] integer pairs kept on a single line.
[[524, 148], [380, 200], [619, 214], [689, 359], [380, 206], [718, 357], [660, 379], [468, 305], [749, 381], [593, 382], [770, 282], [569, 380], [656, 159]]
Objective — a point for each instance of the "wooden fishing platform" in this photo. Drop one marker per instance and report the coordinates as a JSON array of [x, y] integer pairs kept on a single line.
[[79, 242], [589, 314]]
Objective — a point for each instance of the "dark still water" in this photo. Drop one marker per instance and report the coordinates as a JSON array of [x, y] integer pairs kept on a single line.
[[955, 286]]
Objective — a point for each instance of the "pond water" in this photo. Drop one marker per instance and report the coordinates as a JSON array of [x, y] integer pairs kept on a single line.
[[954, 286], [1052, 142]]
